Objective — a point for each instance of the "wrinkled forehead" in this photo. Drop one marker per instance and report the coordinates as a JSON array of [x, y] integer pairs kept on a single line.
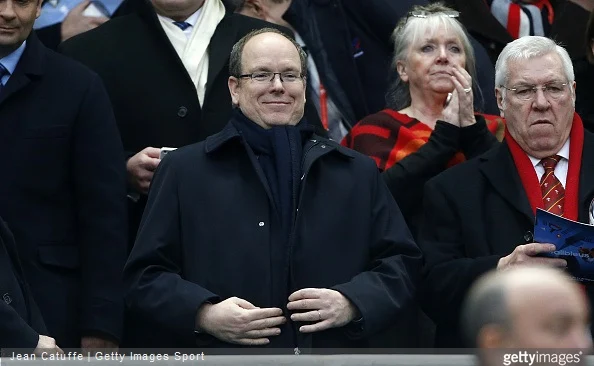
[[536, 69]]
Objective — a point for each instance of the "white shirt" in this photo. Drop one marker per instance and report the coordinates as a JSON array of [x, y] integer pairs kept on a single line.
[[192, 19], [561, 167]]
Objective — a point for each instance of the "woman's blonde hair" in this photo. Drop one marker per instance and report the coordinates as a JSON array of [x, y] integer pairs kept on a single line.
[[407, 33]]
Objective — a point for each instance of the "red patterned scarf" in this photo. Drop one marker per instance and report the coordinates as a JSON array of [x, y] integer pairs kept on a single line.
[[530, 179]]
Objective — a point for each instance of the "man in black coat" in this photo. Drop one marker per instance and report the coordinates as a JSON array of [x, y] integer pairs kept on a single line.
[[479, 216], [64, 191], [240, 244], [154, 97], [21, 323]]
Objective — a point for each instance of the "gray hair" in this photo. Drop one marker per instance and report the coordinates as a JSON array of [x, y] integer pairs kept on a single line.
[[408, 31], [525, 48], [485, 304], [235, 58]]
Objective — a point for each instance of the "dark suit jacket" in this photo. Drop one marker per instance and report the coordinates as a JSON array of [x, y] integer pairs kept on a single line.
[[20, 319], [65, 196], [154, 99], [476, 213]]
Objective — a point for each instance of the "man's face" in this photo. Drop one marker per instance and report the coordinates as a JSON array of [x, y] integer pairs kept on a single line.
[[269, 103], [178, 10], [542, 124], [16, 22], [553, 317]]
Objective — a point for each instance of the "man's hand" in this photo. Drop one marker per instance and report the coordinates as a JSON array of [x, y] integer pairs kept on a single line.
[[76, 23], [140, 168], [526, 255], [237, 321], [94, 344], [323, 307], [47, 344]]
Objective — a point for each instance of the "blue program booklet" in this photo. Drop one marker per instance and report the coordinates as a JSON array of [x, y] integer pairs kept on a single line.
[[574, 242]]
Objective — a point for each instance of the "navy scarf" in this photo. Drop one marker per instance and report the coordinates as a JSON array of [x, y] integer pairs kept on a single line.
[[279, 151]]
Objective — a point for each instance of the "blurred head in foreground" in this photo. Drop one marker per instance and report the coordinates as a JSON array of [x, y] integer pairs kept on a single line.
[[527, 308]]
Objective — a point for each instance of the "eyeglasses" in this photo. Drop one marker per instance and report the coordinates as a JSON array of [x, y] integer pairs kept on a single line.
[[266, 76], [528, 92], [426, 14]]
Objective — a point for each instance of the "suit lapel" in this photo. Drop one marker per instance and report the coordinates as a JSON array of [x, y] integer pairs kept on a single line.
[[500, 171], [586, 185], [149, 16], [221, 43], [29, 67]]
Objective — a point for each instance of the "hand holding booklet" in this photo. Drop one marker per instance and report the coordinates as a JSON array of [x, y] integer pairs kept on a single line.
[[573, 240]]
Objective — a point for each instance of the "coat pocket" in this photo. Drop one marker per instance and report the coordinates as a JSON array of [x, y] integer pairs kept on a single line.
[[59, 256]]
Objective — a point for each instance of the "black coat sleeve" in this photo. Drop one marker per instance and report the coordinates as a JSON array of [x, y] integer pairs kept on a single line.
[[477, 139], [155, 287], [448, 272], [407, 177], [390, 284], [100, 190]]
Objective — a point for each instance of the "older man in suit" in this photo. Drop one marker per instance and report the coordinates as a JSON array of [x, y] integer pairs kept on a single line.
[[164, 67], [63, 192], [480, 215]]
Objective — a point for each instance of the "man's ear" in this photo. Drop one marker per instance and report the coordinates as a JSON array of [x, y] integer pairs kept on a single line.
[[401, 69], [233, 84], [500, 101]]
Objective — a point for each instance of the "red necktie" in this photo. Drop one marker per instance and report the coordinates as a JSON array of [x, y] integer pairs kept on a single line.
[[553, 193]]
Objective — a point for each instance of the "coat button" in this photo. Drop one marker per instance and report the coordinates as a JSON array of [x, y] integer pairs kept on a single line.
[[261, 223], [7, 299], [323, 146], [182, 111]]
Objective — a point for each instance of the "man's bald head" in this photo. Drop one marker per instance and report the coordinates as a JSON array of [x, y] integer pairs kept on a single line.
[[527, 307]]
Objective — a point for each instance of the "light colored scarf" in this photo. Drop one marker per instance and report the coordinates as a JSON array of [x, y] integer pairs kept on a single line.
[[518, 18], [193, 51]]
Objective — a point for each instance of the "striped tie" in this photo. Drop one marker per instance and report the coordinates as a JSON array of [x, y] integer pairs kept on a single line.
[[183, 25], [553, 193]]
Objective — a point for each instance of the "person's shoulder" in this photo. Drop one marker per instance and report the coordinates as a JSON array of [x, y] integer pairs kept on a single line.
[[385, 118], [246, 24], [68, 68], [116, 29]]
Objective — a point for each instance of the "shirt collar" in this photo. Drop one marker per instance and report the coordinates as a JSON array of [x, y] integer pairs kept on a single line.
[[192, 19], [564, 153], [11, 60]]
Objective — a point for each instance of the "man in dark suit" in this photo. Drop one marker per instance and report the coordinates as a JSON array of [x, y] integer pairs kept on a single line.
[[153, 88], [63, 195], [237, 247], [21, 323], [480, 215]]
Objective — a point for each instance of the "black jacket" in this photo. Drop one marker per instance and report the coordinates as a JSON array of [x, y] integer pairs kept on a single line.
[[64, 192], [474, 214], [207, 235], [20, 319]]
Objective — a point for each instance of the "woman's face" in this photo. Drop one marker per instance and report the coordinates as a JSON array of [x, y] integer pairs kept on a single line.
[[430, 61]]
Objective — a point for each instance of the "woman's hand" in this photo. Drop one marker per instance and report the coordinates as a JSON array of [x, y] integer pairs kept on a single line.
[[460, 110]]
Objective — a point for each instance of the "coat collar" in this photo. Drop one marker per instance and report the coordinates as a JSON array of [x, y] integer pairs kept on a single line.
[[229, 134], [30, 66], [498, 167]]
